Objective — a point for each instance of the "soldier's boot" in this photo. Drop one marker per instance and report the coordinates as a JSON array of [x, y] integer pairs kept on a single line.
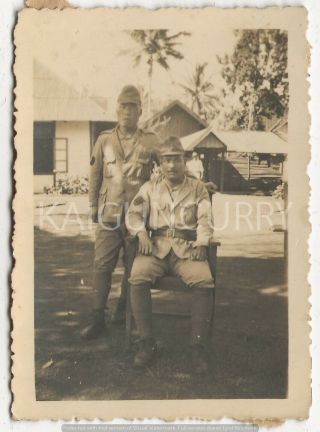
[[119, 316], [201, 312], [146, 354], [142, 312], [96, 327], [101, 288]]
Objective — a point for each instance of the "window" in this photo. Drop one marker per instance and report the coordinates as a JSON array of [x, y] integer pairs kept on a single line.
[[61, 155], [43, 144]]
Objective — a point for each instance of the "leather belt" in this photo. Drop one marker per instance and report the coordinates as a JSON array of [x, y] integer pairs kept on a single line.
[[175, 233]]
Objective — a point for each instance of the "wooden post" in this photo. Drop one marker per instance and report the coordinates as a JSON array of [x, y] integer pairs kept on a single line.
[[206, 162], [211, 154], [207, 158], [249, 167], [222, 173]]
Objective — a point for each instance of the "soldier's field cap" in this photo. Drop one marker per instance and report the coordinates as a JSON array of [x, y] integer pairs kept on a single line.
[[171, 146], [129, 94]]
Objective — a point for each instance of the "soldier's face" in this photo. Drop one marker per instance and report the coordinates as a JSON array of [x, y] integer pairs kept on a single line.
[[128, 114], [173, 167]]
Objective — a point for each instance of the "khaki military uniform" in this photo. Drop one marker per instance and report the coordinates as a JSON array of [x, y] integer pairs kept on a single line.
[[118, 169], [163, 210]]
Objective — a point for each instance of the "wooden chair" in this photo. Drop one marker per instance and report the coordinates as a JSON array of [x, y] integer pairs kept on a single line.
[[167, 283]]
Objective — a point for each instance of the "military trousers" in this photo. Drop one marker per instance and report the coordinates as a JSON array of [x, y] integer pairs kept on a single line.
[[107, 247], [147, 269], [195, 274], [108, 243]]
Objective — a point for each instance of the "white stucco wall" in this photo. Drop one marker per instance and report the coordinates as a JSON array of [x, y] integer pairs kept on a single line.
[[78, 134]]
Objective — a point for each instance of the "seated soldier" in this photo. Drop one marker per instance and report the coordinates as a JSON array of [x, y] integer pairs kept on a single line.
[[177, 210]]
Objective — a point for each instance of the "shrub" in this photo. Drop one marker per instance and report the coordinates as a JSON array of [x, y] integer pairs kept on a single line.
[[69, 186], [278, 193]]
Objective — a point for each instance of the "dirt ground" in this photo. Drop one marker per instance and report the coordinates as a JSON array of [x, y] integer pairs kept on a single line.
[[249, 342]]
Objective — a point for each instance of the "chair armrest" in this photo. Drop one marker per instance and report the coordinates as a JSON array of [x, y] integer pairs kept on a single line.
[[213, 242]]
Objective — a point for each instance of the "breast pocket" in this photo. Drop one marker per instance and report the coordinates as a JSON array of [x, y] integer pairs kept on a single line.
[[109, 162], [159, 216], [109, 168], [187, 214]]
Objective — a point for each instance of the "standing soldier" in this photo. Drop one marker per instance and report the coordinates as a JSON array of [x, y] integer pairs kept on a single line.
[[195, 166], [122, 160], [177, 210]]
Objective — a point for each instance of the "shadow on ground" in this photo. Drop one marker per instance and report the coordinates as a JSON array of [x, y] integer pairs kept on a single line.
[[249, 343]]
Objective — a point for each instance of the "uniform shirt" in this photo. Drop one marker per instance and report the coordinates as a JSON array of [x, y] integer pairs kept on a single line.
[[127, 141], [187, 207], [173, 190], [119, 166]]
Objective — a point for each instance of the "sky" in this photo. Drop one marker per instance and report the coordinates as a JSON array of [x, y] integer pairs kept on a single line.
[[91, 58]]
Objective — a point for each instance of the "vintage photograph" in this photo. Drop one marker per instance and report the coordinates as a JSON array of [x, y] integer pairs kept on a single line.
[[161, 208], [184, 131]]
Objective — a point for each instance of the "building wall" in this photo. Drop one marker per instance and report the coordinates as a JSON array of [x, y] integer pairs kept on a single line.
[[78, 138], [78, 135]]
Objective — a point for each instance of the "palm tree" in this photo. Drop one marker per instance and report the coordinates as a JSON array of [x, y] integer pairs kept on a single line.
[[156, 47], [199, 91]]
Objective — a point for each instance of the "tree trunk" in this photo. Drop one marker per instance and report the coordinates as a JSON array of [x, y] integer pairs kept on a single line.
[[150, 87], [251, 113]]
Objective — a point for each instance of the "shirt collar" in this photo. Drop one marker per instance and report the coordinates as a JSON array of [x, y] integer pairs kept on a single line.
[[126, 137], [175, 188]]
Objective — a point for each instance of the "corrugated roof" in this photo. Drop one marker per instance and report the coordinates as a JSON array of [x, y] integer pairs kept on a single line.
[[190, 142], [56, 100], [253, 142]]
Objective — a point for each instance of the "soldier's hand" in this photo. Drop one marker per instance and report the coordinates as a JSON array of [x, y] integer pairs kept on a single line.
[[199, 253], [94, 214], [145, 244]]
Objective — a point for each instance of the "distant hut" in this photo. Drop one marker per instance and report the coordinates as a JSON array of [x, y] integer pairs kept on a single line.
[[209, 145], [252, 157], [176, 119], [232, 159]]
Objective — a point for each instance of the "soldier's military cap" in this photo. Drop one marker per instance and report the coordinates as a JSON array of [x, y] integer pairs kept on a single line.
[[171, 146], [129, 94]]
